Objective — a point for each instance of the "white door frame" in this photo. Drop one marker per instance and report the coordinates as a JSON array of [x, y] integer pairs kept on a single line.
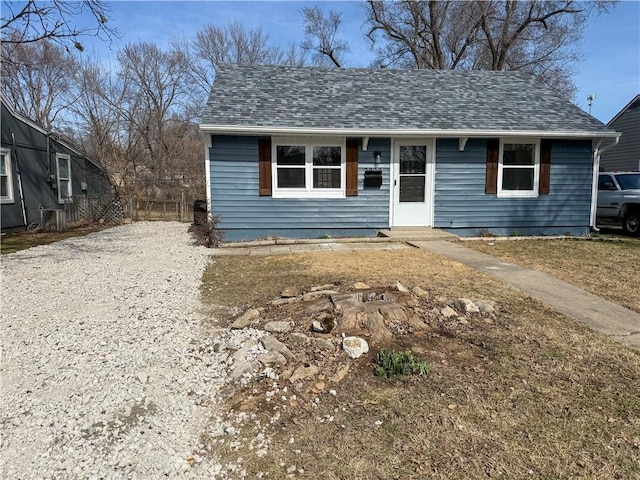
[[429, 179]]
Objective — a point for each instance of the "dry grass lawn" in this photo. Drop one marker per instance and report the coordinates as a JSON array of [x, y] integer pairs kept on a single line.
[[16, 241], [609, 269], [531, 395]]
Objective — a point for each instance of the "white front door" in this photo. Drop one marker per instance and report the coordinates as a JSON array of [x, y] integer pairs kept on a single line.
[[412, 183]]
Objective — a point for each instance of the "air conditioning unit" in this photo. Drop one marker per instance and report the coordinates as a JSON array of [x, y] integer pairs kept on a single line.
[[53, 219]]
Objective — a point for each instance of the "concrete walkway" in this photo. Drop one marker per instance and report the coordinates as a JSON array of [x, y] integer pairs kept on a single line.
[[599, 314], [293, 247]]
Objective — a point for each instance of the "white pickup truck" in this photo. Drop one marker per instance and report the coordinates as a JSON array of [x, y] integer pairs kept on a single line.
[[619, 200]]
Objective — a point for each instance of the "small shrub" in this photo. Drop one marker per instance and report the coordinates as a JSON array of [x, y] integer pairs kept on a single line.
[[515, 233], [390, 363], [485, 232], [208, 234], [324, 237]]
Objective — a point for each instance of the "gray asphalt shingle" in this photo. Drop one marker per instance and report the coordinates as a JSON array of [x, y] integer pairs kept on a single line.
[[307, 97]]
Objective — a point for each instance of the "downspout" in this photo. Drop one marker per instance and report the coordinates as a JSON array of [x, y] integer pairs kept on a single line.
[[208, 144], [19, 177], [597, 152]]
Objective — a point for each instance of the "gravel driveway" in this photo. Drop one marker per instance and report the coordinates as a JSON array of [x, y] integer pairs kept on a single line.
[[106, 369]]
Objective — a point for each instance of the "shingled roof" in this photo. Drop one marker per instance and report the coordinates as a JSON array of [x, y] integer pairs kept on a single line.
[[281, 99]]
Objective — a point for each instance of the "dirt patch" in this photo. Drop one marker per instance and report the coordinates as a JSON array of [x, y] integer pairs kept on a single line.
[[15, 241], [520, 393]]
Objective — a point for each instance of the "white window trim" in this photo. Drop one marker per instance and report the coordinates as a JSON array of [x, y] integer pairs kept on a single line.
[[6, 153], [309, 191], [536, 169], [61, 199]]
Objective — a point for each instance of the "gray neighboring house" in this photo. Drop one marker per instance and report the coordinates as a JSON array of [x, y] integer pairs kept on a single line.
[[304, 152], [39, 170], [625, 156]]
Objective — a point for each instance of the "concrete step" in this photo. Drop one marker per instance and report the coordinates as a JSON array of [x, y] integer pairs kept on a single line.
[[407, 234]]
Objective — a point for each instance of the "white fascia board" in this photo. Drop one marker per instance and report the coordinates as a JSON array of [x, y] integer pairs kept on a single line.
[[398, 133]]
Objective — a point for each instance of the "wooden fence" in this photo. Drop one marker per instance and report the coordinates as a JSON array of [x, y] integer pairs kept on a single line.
[[112, 208]]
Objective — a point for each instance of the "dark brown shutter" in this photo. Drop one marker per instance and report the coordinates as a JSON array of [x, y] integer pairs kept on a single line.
[[493, 152], [545, 167], [352, 168], [264, 167]]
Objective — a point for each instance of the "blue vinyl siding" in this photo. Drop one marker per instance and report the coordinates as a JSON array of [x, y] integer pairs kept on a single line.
[[460, 201], [245, 214]]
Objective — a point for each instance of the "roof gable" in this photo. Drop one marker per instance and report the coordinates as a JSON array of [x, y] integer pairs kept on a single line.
[[39, 128], [634, 103], [308, 98]]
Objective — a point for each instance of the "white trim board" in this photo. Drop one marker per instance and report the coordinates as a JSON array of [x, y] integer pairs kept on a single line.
[[408, 133]]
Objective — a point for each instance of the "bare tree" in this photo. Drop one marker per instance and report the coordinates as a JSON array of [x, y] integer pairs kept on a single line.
[[157, 99], [33, 21], [105, 127], [38, 81], [234, 43], [535, 36], [321, 37]]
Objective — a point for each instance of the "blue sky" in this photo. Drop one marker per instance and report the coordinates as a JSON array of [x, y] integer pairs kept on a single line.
[[611, 45]]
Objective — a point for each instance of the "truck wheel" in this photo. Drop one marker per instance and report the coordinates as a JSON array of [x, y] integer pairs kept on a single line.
[[631, 223]]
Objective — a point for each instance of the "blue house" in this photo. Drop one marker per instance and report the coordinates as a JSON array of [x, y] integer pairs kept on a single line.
[[301, 152]]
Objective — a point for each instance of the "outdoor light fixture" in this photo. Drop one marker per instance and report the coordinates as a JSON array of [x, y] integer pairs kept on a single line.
[[373, 176]]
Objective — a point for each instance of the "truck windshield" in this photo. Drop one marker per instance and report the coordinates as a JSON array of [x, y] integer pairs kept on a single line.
[[629, 181]]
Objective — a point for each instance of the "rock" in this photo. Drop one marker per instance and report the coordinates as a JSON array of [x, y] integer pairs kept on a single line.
[[486, 306], [355, 347], [448, 312], [303, 372], [329, 286], [246, 319], [401, 288], [143, 377], [241, 366], [284, 301], [298, 338], [272, 344], [418, 292], [340, 374], [318, 294], [272, 359], [417, 324], [290, 292], [316, 326], [240, 363], [462, 321], [466, 305], [279, 326], [322, 343], [319, 387], [361, 286]]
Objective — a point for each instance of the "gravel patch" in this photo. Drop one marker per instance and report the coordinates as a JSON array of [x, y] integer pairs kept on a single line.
[[106, 368]]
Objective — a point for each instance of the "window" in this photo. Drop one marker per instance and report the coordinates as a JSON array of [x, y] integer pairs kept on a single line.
[[309, 168], [6, 179], [628, 181], [605, 182], [63, 163], [518, 168]]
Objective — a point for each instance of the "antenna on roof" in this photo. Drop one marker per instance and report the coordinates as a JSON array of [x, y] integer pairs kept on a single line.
[[590, 99]]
